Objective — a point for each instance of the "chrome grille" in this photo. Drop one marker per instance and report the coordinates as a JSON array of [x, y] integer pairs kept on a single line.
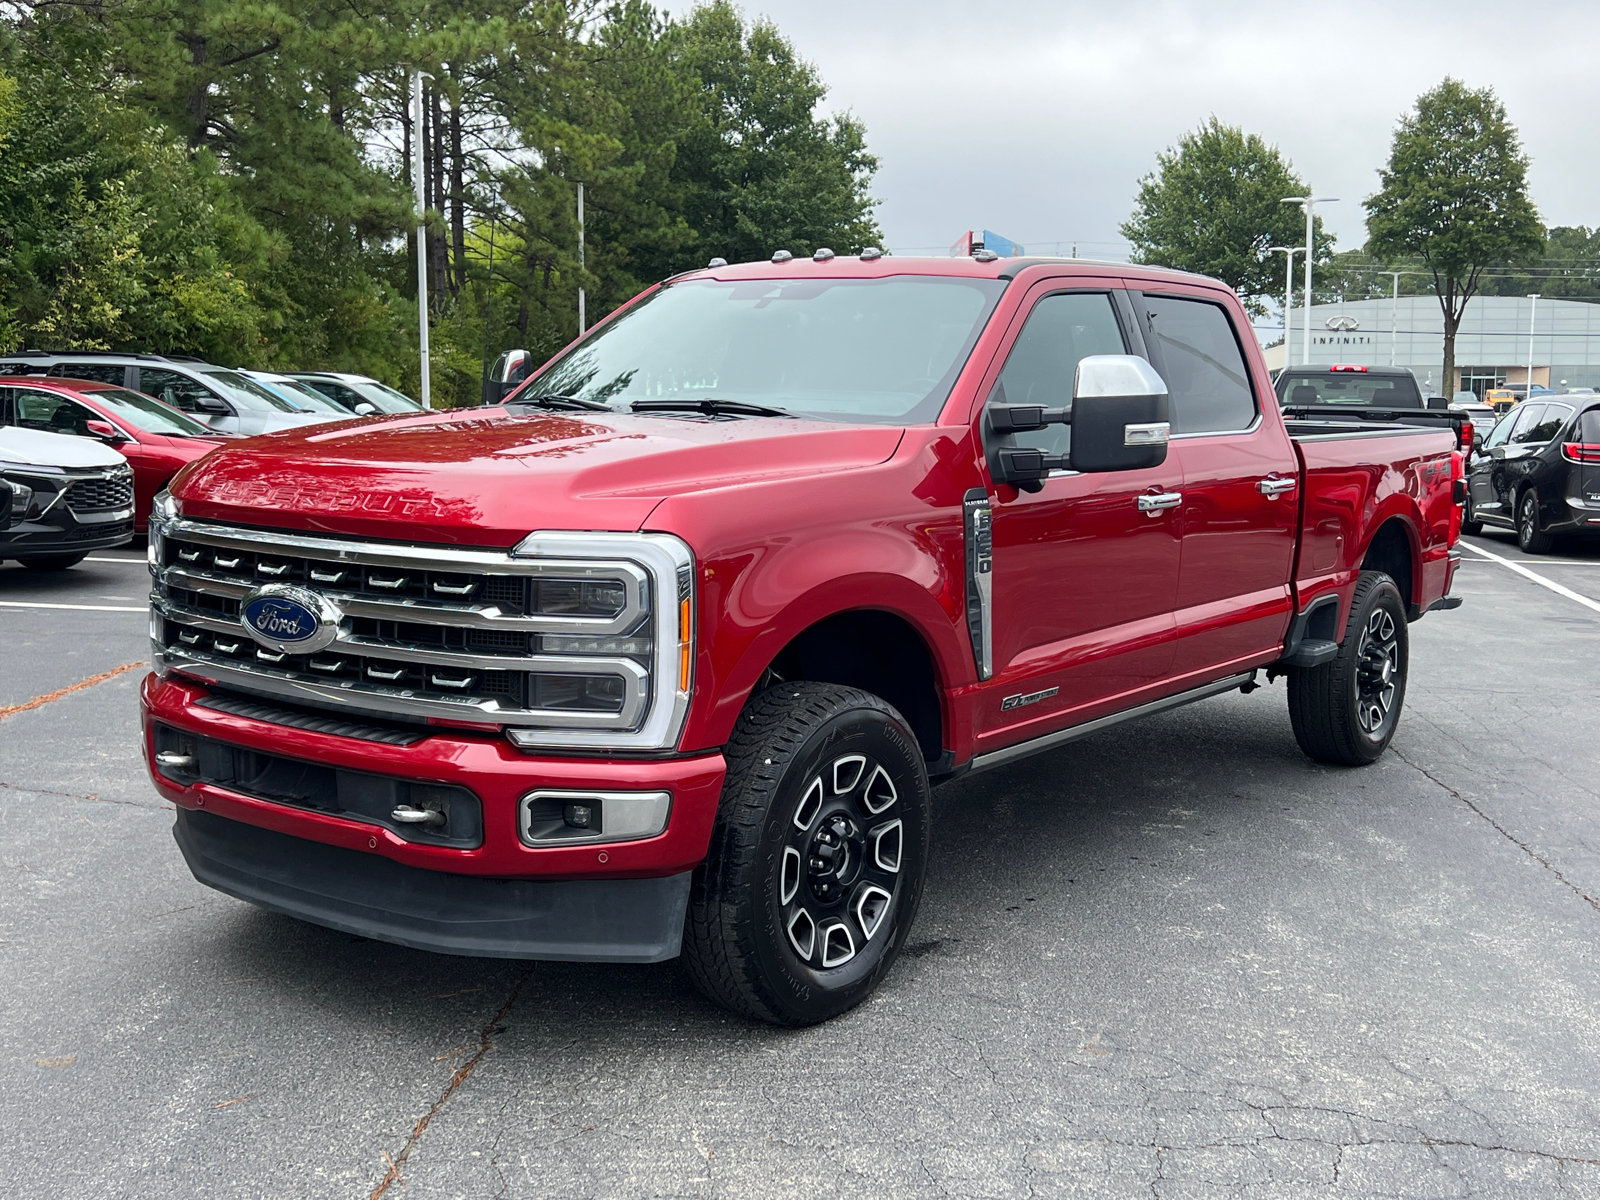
[[423, 631], [102, 494]]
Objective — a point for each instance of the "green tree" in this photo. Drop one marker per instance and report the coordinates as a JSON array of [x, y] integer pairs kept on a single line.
[[1568, 267], [1214, 206], [1455, 197], [761, 171]]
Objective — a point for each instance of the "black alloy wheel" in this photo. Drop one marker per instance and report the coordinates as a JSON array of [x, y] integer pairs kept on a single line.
[[816, 864], [1531, 535], [1347, 710]]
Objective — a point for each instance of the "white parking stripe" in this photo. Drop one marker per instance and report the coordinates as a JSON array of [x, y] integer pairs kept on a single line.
[[74, 607], [1539, 579], [140, 561]]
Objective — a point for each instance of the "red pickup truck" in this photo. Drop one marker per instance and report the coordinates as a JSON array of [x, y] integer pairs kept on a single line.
[[663, 654]]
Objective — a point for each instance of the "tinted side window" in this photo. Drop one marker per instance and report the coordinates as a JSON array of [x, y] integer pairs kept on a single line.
[[1203, 365], [336, 392], [98, 371], [1528, 416], [1060, 330], [51, 413], [174, 389], [1550, 423]]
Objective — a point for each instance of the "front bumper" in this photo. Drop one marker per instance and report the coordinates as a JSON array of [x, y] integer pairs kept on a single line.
[[595, 920], [444, 886], [61, 531]]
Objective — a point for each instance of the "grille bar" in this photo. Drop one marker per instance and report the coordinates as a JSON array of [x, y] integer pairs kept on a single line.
[[101, 495]]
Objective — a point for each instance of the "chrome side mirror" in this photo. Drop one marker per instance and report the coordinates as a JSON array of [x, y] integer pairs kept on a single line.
[[1119, 418]]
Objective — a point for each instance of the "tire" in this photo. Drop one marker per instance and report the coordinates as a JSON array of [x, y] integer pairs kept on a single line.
[[821, 779], [1347, 710], [52, 562], [1470, 525], [1530, 535]]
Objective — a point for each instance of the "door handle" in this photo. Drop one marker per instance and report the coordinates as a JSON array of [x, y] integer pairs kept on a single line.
[[1154, 503], [1272, 486]]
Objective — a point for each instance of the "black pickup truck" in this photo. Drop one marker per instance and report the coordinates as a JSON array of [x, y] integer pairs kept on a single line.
[[1350, 392]]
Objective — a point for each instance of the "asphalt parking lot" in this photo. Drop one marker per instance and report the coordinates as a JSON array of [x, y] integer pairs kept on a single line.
[[1174, 960]]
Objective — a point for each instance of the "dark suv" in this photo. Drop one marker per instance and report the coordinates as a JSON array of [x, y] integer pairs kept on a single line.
[[222, 399], [1538, 472]]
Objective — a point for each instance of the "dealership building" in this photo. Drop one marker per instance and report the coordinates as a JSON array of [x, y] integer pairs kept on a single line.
[[1491, 345]]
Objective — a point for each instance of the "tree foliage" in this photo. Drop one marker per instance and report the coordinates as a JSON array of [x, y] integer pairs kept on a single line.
[[232, 178], [1454, 196], [1214, 205]]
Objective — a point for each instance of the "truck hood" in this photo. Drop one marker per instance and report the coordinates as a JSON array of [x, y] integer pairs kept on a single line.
[[36, 448], [488, 477]]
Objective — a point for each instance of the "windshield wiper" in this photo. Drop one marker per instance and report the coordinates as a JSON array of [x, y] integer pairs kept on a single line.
[[711, 407], [563, 403]]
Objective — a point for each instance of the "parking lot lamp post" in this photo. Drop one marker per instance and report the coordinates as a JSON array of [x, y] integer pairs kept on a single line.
[[1288, 253], [1394, 314], [1532, 312], [1309, 203], [417, 178], [583, 322]]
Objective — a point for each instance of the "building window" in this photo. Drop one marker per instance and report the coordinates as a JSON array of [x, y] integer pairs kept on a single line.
[[1479, 380]]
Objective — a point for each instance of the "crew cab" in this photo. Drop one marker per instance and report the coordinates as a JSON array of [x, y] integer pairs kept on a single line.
[[664, 653]]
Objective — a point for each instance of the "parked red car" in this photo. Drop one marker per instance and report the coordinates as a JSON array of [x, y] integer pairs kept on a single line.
[[155, 438]]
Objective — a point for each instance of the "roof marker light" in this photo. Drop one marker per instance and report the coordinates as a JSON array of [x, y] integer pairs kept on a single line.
[[717, 262], [781, 256], [870, 253]]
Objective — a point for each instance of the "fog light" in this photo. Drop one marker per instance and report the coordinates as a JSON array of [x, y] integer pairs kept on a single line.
[[577, 816]]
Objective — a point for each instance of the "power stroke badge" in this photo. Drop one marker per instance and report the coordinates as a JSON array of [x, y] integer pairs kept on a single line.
[[290, 619]]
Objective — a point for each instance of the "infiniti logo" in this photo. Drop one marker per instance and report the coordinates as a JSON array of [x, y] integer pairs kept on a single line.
[[290, 619], [1343, 324]]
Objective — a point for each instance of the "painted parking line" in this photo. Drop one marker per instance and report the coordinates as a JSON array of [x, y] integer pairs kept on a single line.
[[1535, 576], [74, 607], [140, 561]]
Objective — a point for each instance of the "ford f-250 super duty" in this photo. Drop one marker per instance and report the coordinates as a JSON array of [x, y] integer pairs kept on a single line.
[[663, 653]]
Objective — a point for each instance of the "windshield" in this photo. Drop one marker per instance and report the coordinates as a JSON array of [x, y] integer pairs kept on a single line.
[[883, 351], [304, 397], [383, 397], [152, 416], [1355, 388], [246, 393]]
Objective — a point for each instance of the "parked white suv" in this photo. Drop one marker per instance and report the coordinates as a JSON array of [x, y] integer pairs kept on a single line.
[[61, 497]]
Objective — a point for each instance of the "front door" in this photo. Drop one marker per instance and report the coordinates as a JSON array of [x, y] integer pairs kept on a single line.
[[1084, 575], [1240, 478]]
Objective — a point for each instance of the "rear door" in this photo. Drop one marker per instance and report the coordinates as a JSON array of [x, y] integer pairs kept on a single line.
[[1240, 486], [1084, 577], [1585, 486]]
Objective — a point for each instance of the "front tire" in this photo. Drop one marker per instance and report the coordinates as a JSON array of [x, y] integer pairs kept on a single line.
[[1531, 535], [52, 562], [1347, 710], [817, 860]]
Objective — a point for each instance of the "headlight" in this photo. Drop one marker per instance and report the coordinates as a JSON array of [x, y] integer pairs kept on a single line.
[[21, 499], [630, 598], [165, 507]]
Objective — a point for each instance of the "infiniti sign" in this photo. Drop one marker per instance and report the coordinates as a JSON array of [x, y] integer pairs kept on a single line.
[[290, 619]]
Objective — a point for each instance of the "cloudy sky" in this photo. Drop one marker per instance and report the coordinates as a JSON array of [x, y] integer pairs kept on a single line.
[[1036, 119]]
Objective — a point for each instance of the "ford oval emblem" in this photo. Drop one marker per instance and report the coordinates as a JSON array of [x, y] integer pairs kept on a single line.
[[290, 619]]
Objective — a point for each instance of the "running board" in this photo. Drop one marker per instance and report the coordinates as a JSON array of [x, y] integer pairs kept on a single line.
[[998, 758]]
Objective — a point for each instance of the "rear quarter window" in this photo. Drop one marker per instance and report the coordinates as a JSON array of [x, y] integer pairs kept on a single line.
[[1589, 425]]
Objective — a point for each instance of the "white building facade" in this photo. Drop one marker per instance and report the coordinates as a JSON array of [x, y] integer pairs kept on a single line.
[[1491, 345]]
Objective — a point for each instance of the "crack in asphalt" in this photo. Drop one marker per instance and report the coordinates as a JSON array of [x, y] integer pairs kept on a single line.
[[1503, 832], [38, 791], [11, 710], [485, 1044]]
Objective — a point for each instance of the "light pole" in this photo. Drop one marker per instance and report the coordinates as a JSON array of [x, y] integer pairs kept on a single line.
[[1394, 314], [1288, 253], [417, 164], [582, 315], [1309, 203], [1532, 312]]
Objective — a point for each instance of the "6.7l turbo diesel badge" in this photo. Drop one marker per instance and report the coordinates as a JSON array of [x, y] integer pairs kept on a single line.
[[290, 619]]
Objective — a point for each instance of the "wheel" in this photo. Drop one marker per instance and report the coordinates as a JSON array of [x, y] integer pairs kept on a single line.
[[1532, 538], [52, 562], [1346, 711], [817, 858], [1470, 525]]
